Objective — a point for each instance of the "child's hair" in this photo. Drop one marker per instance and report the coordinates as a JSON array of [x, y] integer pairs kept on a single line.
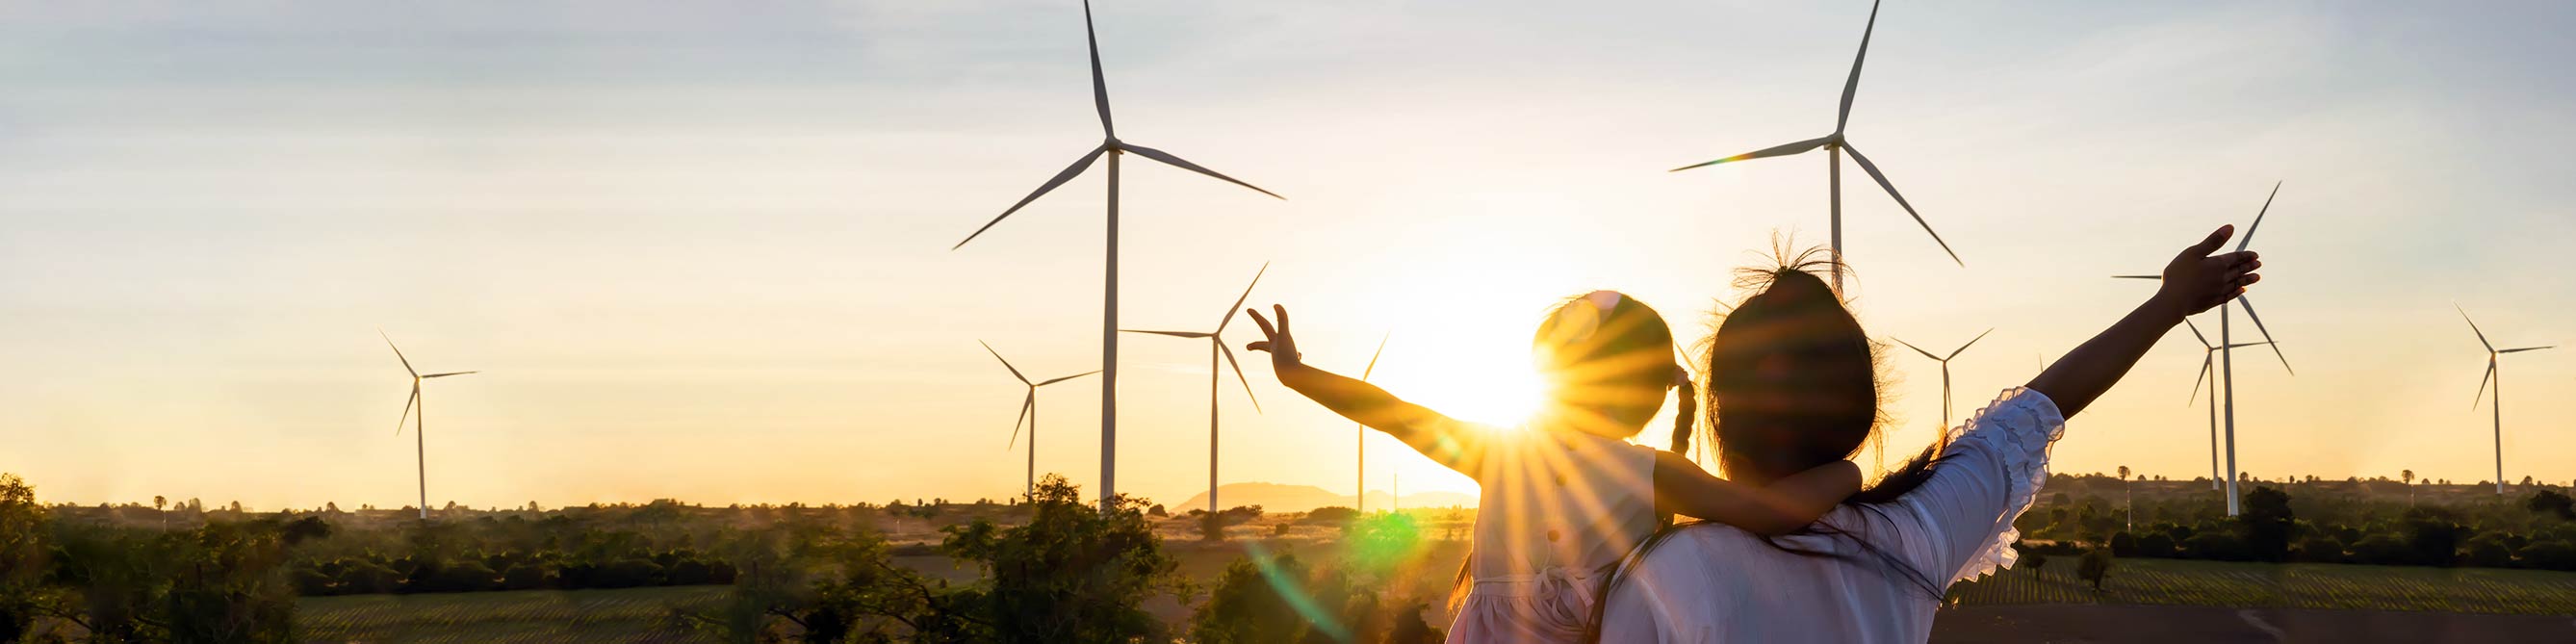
[[1793, 384], [1608, 359]]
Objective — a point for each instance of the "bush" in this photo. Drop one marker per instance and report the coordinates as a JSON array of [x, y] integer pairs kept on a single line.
[[2548, 555], [2216, 545], [2487, 551], [2124, 544], [2319, 550], [2156, 544], [1331, 515], [2095, 568], [2383, 550]]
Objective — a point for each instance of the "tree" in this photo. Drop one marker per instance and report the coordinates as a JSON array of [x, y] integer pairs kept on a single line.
[[1073, 573], [2267, 521], [159, 506], [2128, 502], [24, 558], [2552, 503], [2095, 567], [2409, 477]]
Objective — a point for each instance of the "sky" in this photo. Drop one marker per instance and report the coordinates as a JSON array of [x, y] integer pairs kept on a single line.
[[702, 251]]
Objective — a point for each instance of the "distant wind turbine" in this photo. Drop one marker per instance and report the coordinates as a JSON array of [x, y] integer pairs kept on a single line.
[[2208, 360], [1945, 372], [2227, 355], [1113, 148], [1217, 349], [2498, 377], [1835, 144], [1361, 502], [1028, 414], [420, 435]]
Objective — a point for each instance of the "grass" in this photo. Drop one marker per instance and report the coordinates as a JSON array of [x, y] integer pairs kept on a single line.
[[2327, 586], [630, 615], [532, 616]]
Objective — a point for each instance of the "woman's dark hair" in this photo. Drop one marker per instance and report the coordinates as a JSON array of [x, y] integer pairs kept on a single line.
[[1792, 383]]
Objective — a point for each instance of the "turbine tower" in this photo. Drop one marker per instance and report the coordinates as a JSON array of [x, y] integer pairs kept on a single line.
[[2208, 360], [1360, 503], [420, 435], [1028, 414], [1113, 148], [2498, 377], [2227, 355], [1945, 372], [1217, 349], [1835, 144]]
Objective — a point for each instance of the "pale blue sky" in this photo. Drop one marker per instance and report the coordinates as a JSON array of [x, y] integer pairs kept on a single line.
[[701, 251]]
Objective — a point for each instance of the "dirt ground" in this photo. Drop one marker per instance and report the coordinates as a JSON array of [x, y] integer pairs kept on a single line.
[[2134, 623]]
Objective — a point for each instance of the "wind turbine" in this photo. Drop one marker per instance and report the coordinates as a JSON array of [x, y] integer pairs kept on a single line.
[[1835, 145], [1028, 414], [1113, 148], [2209, 359], [1945, 372], [2492, 374], [1216, 349], [1360, 502], [2227, 355], [419, 436]]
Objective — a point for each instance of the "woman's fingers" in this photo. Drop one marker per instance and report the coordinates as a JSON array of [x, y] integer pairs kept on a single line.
[[2216, 238]]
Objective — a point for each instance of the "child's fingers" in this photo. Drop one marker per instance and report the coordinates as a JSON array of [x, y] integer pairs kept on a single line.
[[1261, 345], [1266, 330], [1283, 316]]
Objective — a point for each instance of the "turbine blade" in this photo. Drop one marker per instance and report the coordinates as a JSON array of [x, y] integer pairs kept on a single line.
[[451, 373], [1381, 350], [1078, 375], [1773, 151], [1852, 84], [2267, 333], [1006, 364], [2482, 384], [1177, 162], [2258, 218], [1176, 334], [406, 415], [2473, 327], [1238, 375], [2527, 349], [1099, 85], [2137, 277], [1872, 168], [1023, 419], [389, 341], [1964, 347], [2205, 360], [2241, 345], [1067, 175], [1916, 349], [1238, 302], [2195, 332]]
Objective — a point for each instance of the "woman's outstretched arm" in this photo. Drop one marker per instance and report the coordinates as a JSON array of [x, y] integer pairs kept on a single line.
[[1427, 431], [2194, 281]]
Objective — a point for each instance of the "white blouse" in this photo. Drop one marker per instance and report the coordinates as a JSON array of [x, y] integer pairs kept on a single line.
[[1716, 583]]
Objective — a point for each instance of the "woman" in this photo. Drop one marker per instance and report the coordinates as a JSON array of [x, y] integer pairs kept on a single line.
[[1792, 384]]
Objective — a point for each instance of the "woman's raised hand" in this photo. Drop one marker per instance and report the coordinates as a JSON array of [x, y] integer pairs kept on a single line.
[[2197, 281], [1276, 341]]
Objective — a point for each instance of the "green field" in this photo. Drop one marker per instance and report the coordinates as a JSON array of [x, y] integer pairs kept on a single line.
[[631, 615], [528, 616], [2328, 586]]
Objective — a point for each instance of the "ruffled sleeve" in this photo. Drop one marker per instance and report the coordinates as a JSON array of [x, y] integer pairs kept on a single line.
[[1989, 474]]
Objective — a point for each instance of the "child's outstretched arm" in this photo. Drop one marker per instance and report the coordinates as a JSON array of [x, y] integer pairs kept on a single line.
[[2194, 281], [1428, 432], [1785, 505]]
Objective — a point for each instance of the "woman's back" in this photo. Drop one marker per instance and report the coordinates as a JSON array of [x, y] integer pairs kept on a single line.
[[1713, 583]]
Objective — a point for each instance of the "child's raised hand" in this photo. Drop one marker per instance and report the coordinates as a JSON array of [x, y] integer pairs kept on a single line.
[[2197, 281], [1276, 341]]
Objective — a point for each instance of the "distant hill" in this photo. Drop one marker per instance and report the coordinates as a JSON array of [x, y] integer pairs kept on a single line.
[[1275, 497]]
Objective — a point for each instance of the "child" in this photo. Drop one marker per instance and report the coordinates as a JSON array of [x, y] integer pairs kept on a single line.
[[1565, 498]]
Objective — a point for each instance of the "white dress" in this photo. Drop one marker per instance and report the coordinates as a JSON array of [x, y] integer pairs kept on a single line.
[[1555, 510], [1715, 583]]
